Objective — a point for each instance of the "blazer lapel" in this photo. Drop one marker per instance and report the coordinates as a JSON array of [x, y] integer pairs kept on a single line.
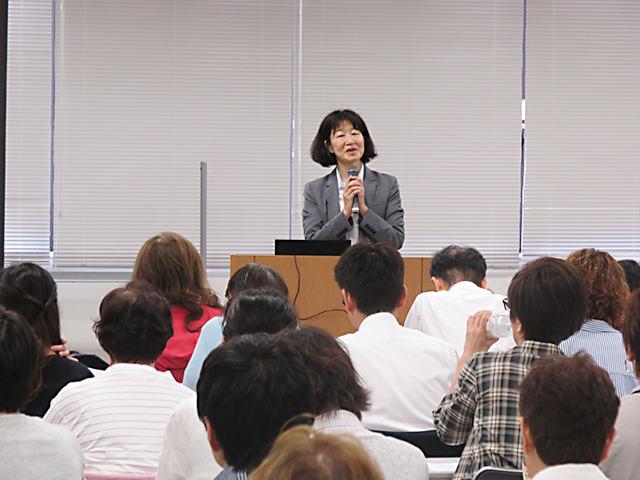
[[370, 186], [330, 196]]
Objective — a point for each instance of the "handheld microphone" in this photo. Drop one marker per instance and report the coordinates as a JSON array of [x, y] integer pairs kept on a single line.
[[353, 172]]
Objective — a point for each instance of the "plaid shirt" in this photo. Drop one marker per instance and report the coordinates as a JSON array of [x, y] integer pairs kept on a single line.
[[483, 409]]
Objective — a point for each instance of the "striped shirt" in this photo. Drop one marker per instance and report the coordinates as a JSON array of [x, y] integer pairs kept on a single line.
[[119, 417], [605, 345], [483, 409]]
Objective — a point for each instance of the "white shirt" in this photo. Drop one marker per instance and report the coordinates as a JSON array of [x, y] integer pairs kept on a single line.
[[186, 453], [119, 417], [570, 471], [406, 371], [396, 459], [444, 314], [341, 185]]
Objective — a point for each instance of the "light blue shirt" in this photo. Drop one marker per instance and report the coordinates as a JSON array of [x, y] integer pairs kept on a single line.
[[605, 345], [210, 338]]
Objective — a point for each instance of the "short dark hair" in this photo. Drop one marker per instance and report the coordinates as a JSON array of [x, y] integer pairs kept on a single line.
[[248, 389], [631, 273], [373, 275], [255, 275], [20, 362], [336, 384], [319, 148], [28, 289], [258, 310], [455, 264], [549, 298], [631, 327], [570, 405], [135, 323]]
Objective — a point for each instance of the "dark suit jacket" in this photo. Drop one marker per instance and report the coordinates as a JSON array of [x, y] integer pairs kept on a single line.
[[384, 221]]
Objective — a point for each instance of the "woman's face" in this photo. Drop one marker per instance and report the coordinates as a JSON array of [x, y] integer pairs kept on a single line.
[[347, 144]]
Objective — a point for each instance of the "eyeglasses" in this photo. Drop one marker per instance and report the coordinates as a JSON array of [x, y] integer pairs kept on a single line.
[[505, 304]]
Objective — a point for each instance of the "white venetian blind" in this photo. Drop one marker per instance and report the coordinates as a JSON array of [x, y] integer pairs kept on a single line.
[[439, 85], [583, 119], [145, 91], [28, 131]]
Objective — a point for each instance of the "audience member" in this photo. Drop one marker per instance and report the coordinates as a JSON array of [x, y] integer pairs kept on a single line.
[[568, 406], [339, 400], [407, 371], [30, 449], [631, 273], [120, 416], [185, 451], [250, 386], [29, 290], [250, 276], [171, 264], [459, 276], [599, 336], [623, 462], [304, 453], [548, 302]]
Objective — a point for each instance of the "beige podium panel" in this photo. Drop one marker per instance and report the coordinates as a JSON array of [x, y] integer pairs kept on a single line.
[[315, 294]]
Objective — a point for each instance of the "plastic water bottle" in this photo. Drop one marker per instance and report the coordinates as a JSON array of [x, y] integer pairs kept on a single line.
[[499, 325]]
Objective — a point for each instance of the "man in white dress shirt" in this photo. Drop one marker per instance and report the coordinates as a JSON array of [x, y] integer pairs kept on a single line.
[[459, 275], [406, 371], [568, 408]]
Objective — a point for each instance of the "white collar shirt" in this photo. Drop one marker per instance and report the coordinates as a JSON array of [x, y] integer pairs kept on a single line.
[[119, 417], [571, 471], [444, 314], [341, 186], [396, 459], [407, 372]]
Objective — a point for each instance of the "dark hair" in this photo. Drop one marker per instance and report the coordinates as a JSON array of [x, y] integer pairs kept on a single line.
[[631, 328], [373, 275], [30, 290], [134, 324], [631, 273], [171, 263], [20, 362], [455, 264], [319, 148], [249, 387], [570, 405], [549, 298], [257, 310], [256, 275], [335, 382], [305, 453], [607, 287]]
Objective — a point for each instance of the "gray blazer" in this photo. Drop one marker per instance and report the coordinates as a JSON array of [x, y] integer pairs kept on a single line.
[[384, 221]]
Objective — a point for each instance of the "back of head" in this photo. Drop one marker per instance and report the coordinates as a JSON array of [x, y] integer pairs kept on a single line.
[[631, 328], [335, 382], [302, 453], [134, 324], [30, 290], [20, 362], [256, 275], [171, 264], [606, 284], [631, 273], [373, 275], [549, 298], [249, 387], [455, 264], [255, 311], [570, 405]]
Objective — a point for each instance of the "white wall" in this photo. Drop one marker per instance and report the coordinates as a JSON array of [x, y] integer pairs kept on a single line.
[[79, 301]]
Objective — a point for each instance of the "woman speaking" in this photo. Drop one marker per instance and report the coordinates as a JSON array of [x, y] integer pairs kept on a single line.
[[330, 202]]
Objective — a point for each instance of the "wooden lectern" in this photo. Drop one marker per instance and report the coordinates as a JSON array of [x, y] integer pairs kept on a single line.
[[315, 294]]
